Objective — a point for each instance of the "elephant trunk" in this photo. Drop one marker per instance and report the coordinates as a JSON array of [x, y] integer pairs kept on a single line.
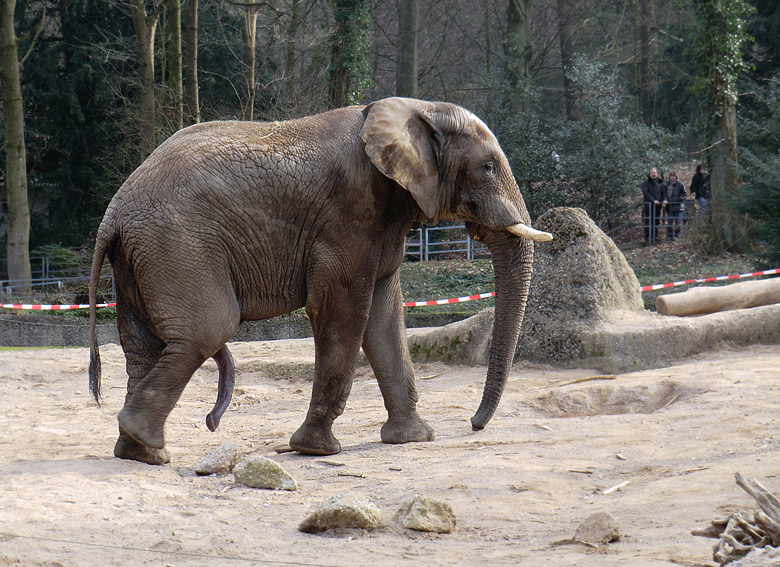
[[512, 263]]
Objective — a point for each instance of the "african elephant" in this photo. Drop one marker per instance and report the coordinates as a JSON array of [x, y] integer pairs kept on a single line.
[[233, 221]]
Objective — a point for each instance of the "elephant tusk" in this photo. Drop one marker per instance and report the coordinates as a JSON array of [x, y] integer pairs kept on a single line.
[[525, 231]]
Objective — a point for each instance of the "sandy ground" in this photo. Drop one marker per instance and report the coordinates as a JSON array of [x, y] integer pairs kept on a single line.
[[520, 488]]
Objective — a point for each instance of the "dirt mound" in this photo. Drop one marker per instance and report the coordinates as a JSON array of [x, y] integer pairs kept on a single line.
[[613, 400]]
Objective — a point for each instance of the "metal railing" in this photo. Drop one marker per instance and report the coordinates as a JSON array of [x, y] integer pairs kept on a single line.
[[645, 222], [40, 267], [443, 242], [69, 290]]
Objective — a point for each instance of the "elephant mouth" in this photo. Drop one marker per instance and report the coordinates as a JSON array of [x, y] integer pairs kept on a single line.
[[525, 231]]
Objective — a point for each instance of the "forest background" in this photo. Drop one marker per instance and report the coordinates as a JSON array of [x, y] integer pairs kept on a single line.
[[584, 96]]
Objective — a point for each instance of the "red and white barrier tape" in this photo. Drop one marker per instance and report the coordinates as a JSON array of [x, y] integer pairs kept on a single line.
[[448, 301], [715, 279], [422, 303], [52, 307]]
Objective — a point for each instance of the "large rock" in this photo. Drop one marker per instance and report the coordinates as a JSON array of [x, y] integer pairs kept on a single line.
[[346, 511], [262, 472], [580, 278], [585, 309], [598, 529], [425, 514], [221, 459]]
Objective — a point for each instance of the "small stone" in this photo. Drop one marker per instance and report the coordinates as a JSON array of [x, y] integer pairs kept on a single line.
[[346, 511], [425, 514], [599, 528], [262, 472], [222, 459]]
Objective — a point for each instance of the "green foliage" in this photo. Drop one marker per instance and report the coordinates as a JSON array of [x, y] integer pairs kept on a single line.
[[421, 281], [760, 198], [719, 36], [604, 155], [353, 46]]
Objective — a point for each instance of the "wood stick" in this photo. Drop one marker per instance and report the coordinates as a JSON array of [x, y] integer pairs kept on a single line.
[[768, 502], [587, 379]]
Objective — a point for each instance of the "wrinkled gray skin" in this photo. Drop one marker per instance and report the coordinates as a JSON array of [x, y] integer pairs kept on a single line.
[[234, 221]]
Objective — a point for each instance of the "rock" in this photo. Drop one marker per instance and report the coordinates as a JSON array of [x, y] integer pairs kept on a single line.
[[579, 278], [262, 472], [425, 514], [221, 459], [346, 511], [765, 557], [598, 529]]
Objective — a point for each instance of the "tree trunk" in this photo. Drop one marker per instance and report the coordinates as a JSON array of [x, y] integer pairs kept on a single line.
[[191, 63], [145, 26], [16, 160], [292, 30], [248, 61], [349, 71], [406, 52], [703, 300], [174, 64], [728, 226], [644, 59], [567, 56], [517, 53]]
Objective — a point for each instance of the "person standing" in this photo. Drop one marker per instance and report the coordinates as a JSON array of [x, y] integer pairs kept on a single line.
[[675, 195], [654, 198], [699, 184]]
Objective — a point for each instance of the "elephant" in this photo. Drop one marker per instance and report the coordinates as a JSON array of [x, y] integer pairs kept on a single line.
[[229, 221]]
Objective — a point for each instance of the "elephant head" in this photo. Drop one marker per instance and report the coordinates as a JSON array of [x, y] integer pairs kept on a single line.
[[454, 168]]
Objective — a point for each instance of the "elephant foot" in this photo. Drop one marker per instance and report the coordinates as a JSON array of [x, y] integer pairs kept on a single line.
[[314, 440], [406, 430], [147, 432], [127, 448]]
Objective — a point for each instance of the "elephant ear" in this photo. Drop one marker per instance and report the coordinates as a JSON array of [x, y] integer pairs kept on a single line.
[[401, 141]]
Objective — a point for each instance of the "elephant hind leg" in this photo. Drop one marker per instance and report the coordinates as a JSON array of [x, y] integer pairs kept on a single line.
[[142, 350], [153, 398], [227, 371]]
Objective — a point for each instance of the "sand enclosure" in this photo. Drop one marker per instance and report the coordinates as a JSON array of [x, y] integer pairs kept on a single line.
[[672, 437]]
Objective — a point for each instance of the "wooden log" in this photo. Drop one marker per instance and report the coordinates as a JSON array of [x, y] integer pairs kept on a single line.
[[702, 300]]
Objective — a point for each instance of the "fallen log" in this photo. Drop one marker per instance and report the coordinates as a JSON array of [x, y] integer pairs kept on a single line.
[[702, 300]]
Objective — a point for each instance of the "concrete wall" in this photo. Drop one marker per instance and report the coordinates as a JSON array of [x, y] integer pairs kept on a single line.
[[37, 330]]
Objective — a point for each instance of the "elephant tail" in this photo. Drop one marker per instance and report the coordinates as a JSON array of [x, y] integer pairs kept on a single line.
[[104, 238]]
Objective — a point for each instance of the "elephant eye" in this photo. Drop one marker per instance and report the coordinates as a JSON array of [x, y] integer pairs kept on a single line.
[[490, 169]]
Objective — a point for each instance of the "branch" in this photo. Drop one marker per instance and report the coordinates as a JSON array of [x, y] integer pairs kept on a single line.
[[35, 37]]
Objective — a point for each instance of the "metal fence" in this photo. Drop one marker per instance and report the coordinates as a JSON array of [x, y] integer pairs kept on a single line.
[[639, 221], [443, 243], [66, 290]]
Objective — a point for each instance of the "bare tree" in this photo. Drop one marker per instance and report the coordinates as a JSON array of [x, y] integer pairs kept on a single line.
[[406, 49], [173, 8], [15, 157], [518, 52], [191, 94], [249, 57], [645, 17], [289, 69], [567, 54], [145, 25]]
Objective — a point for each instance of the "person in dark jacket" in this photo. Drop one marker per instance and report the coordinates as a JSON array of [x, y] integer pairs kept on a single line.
[[675, 195], [654, 197], [699, 186]]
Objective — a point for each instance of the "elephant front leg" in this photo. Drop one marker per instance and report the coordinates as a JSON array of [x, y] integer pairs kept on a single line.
[[338, 325], [385, 346]]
